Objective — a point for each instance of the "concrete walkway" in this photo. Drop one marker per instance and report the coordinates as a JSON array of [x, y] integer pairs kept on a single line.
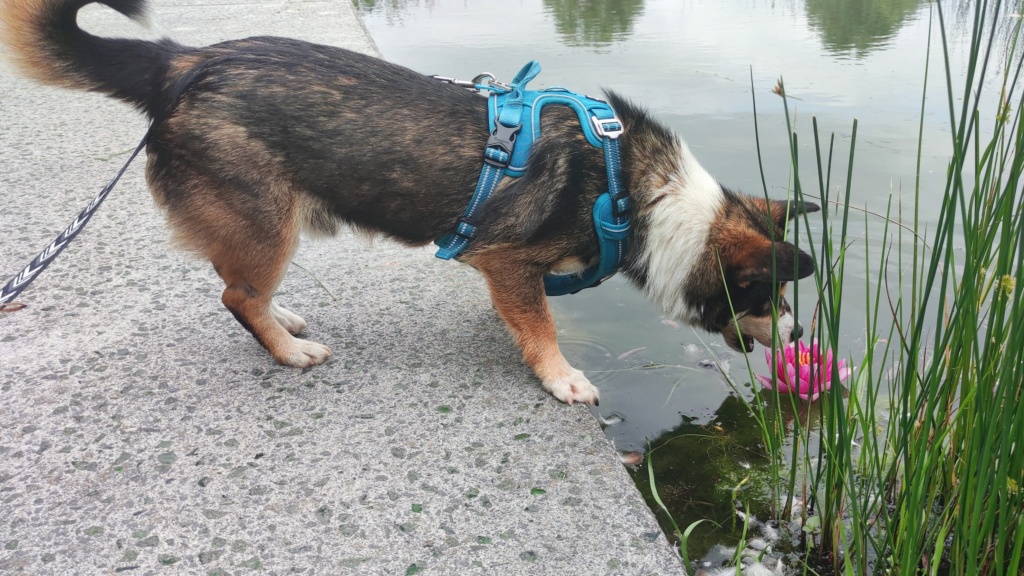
[[143, 431]]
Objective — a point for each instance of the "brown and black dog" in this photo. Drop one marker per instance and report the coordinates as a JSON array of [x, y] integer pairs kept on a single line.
[[255, 141]]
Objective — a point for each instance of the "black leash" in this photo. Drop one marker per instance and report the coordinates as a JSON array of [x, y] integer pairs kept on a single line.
[[22, 280]]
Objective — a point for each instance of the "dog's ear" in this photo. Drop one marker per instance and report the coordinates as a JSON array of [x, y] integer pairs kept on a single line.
[[755, 263], [781, 210]]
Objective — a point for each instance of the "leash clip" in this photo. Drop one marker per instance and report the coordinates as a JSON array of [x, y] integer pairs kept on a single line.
[[488, 81], [485, 82], [456, 82]]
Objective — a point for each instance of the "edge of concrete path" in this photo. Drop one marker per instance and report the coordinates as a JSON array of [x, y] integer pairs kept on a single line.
[[373, 48]]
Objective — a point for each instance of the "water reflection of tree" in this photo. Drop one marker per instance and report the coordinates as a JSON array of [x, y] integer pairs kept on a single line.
[[593, 22], [855, 27], [393, 10], [697, 466], [371, 5], [1003, 24]]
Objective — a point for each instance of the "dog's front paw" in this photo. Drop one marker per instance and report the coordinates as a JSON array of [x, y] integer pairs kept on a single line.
[[303, 354], [573, 387]]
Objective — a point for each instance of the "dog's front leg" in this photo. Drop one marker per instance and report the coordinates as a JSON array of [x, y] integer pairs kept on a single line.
[[517, 290]]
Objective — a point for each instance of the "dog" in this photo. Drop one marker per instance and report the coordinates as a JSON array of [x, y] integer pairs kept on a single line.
[[255, 141]]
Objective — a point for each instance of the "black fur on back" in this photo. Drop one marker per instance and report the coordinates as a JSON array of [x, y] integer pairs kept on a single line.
[[381, 146]]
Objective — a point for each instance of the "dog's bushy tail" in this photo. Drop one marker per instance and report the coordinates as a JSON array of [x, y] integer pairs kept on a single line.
[[46, 43]]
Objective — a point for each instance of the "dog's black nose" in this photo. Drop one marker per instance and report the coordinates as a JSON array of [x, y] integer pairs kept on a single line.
[[798, 331]]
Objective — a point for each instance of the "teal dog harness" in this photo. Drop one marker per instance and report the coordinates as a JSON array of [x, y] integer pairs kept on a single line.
[[513, 116]]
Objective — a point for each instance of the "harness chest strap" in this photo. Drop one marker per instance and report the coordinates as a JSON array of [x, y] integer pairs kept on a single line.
[[514, 125]]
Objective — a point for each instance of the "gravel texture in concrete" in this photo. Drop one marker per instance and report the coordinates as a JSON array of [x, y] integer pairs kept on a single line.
[[143, 431]]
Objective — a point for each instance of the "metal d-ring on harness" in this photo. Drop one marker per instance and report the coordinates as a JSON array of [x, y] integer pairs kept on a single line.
[[17, 284], [514, 125]]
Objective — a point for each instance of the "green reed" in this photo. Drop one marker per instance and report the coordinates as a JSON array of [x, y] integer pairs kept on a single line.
[[938, 486]]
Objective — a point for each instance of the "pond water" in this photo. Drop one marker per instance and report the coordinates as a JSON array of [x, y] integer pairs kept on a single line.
[[693, 64]]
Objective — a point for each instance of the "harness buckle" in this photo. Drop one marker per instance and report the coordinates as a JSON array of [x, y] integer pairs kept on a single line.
[[504, 139], [607, 127]]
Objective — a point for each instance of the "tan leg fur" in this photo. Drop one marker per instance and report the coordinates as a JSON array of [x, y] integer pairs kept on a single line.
[[517, 291]]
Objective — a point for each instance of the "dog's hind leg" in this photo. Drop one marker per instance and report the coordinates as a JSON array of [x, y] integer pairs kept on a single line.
[[517, 291], [250, 246], [229, 198], [252, 269], [251, 280], [291, 321]]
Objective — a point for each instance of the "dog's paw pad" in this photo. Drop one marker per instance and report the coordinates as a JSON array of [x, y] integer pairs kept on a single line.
[[574, 387], [304, 354]]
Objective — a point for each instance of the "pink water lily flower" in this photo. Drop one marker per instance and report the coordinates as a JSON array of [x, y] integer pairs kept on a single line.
[[796, 378]]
